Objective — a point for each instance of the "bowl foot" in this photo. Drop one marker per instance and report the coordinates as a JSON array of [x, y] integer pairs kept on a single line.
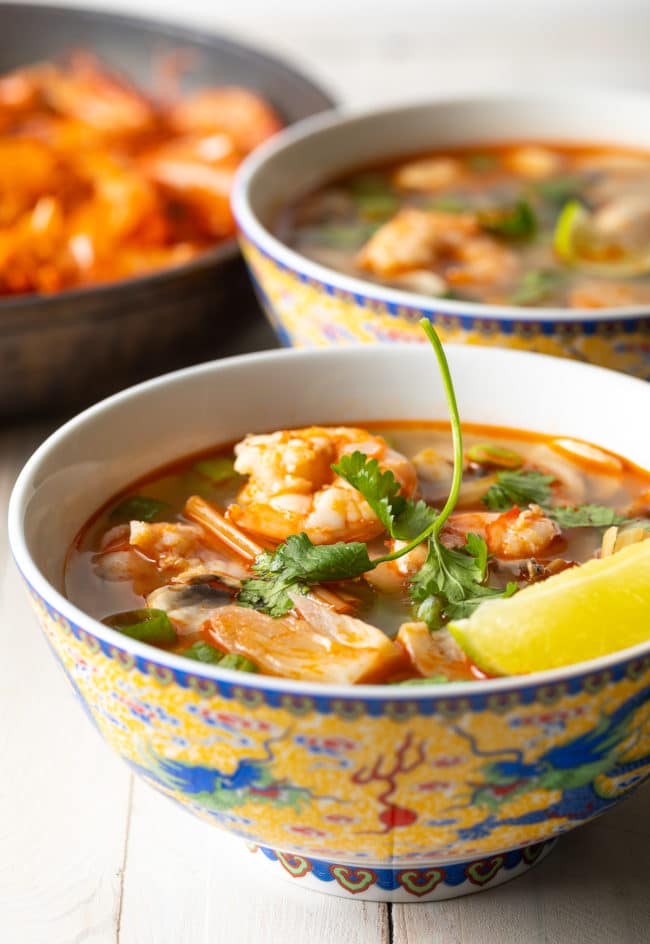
[[434, 882]]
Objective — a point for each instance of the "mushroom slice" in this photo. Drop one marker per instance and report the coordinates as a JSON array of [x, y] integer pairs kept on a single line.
[[189, 607], [432, 653], [183, 552]]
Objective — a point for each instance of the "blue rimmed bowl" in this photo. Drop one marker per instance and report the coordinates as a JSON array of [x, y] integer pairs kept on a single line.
[[310, 304], [374, 792]]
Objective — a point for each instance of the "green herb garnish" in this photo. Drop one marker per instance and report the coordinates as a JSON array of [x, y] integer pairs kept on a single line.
[[525, 487], [451, 581], [146, 625], [514, 222], [340, 235], [588, 516], [217, 470], [203, 652], [520, 487], [138, 508], [456, 578], [294, 566], [536, 286], [489, 454], [403, 519], [241, 663]]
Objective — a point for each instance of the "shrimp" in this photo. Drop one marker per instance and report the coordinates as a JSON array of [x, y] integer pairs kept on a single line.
[[393, 576], [292, 487], [516, 534], [238, 112], [91, 94], [183, 552], [512, 535], [315, 644], [419, 239], [197, 172], [117, 561]]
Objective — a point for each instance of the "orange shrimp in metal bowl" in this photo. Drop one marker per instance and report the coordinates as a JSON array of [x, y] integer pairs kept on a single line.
[[292, 486]]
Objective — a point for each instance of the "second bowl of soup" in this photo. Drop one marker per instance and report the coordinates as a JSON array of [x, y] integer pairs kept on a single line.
[[513, 222]]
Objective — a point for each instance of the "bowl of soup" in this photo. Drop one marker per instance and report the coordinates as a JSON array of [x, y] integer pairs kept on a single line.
[[260, 610], [506, 221], [119, 137]]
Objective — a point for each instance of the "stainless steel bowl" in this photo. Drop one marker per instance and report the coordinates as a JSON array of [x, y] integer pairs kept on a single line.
[[61, 351]]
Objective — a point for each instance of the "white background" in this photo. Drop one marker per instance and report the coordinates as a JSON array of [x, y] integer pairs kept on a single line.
[[370, 51]]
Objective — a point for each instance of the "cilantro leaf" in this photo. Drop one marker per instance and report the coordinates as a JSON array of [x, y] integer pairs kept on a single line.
[[520, 487], [403, 519], [378, 486], [295, 566], [585, 516], [416, 518], [455, 577]]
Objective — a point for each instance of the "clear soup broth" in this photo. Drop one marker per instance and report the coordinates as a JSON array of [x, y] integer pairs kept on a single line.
[[525, 224], [182, 541]]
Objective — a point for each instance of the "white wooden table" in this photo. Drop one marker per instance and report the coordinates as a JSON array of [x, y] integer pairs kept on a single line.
[[88, 854]]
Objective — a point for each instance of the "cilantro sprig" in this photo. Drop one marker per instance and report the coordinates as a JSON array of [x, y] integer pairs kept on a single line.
[[452, 581], [519, 487], [528, 486], [455, 578], [403, 519]]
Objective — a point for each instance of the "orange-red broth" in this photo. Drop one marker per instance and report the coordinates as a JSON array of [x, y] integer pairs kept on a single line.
[[173, 485]]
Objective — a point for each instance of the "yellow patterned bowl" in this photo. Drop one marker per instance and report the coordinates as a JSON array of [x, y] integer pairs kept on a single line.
[[375, 792], [309, 304]]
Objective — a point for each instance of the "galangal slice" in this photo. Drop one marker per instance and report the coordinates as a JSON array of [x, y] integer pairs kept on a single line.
[[317, 644]]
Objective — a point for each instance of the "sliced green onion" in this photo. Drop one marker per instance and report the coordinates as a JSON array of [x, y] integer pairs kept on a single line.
[[217, 470], [203, 652], [378, 206], [513, 222], [488, 454], [138, 508], [339, 235], [146, 625], [536, 285], [241, 663]]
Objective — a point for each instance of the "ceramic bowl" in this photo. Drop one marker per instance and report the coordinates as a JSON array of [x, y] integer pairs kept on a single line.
[[309, 304], [66, 350], [375, 792]]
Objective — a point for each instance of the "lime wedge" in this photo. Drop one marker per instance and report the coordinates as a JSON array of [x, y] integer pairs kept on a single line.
[[571, 225], [582, 613], [575, 242]]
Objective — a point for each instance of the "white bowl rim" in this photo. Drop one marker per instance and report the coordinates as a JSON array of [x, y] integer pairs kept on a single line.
[[384, 692], [251, 227]]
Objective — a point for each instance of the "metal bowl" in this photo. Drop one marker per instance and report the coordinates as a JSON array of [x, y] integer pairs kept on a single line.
[[64, 350]]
